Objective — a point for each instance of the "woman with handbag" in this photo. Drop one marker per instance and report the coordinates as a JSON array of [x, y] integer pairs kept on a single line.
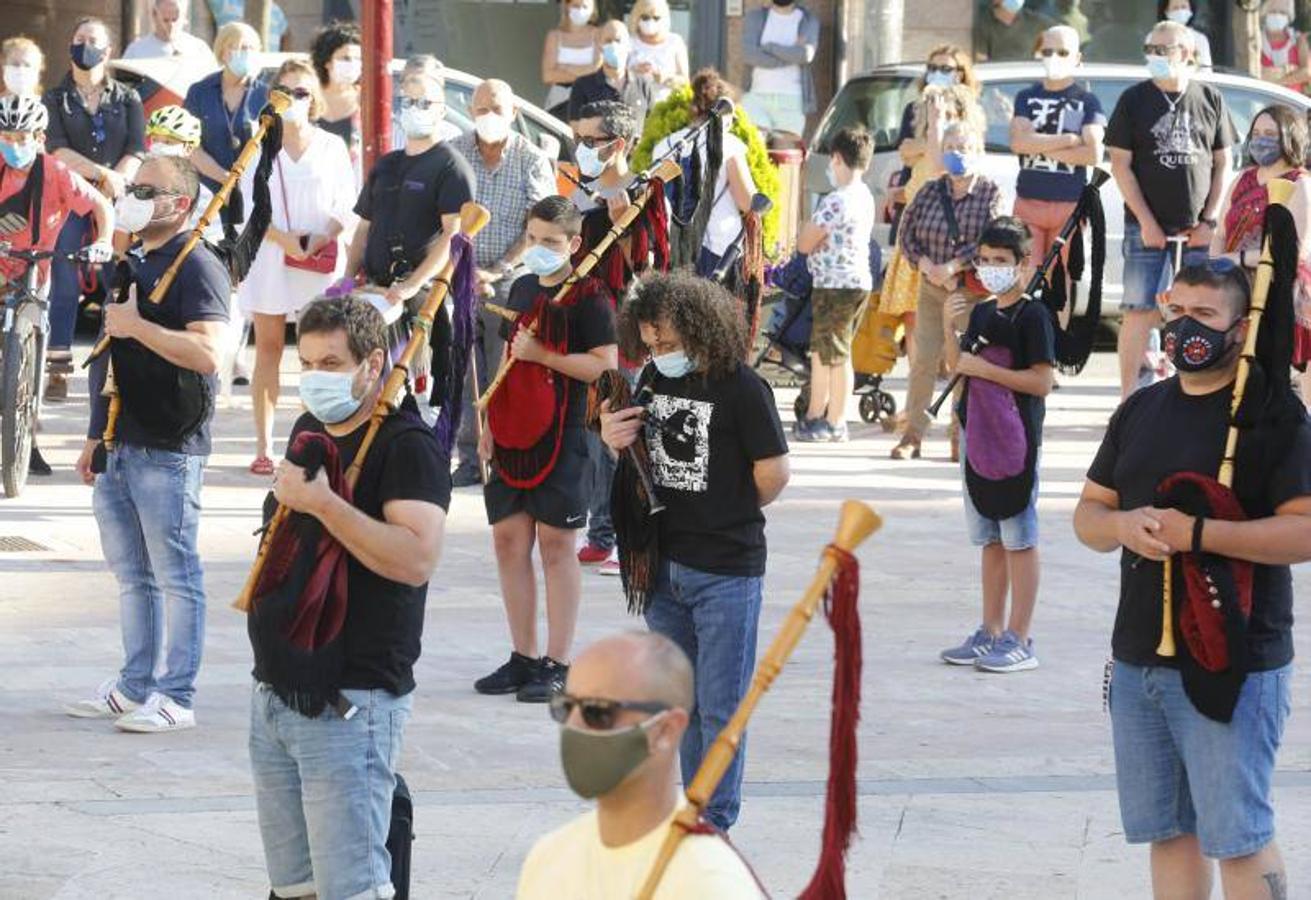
[[312, 191]]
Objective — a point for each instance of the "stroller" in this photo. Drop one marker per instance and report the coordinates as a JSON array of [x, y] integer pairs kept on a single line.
[[873, 347]]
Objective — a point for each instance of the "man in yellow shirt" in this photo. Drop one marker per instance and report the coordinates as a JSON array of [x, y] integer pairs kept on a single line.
[[622, 715]]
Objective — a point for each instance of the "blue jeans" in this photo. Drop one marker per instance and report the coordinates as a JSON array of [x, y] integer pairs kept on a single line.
[[147, 505], [1179, 772], [714, 619], [65, 282], [1147, 271], [323, 791], [601, 465]]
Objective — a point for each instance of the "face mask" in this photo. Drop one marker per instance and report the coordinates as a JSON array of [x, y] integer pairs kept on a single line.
[[492, 128], [87, 57], [20, 79], [1194, 347], [1264, 150], [597, 762], [543, 261], [939, 79], [1058, 68], [1276, 21], [831, 175], [1182, 16], [997, 279], [673, 365], [166, 148], [299, 111], [649, 27], [1159, 67], [580, 15], [346, 71], [589, 160], [330, 396], [419, 123], [133, 214], [613, 54], [18, 156], [1012, 6], [958, 163], [240, 63]]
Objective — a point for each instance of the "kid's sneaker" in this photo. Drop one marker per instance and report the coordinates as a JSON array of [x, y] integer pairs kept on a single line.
[[976, 646], [1008, 654]]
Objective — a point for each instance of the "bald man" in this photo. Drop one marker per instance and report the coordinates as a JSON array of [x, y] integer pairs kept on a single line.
[[511, 175], [168, 35], [622, 715]]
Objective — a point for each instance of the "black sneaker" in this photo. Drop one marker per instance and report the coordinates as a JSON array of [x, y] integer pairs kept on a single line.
[[465, 475], [548, 679], [36, 463], [512, 676]]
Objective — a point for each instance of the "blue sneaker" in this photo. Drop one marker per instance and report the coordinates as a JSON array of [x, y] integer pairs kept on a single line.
[[1008, 654], [814, 431], [975, 647]]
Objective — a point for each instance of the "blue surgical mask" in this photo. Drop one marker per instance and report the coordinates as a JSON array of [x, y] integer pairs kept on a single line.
[[958, 163], [240, 63], [330, 396], [611, 53], [1159, 67], [1012, 6], [543, 261], [673, 365], [18, 156], [939, 79], [589, 159]]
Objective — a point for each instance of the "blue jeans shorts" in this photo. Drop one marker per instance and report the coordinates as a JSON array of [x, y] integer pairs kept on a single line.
[[1019, 532], [1147, 272], [1180, 773]]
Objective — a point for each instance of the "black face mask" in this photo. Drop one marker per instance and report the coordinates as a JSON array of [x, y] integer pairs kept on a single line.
[[782, 2], [1194, 347], [86, 57]]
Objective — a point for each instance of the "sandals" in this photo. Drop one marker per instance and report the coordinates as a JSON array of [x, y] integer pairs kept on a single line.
[[907, 448], [261, 465]]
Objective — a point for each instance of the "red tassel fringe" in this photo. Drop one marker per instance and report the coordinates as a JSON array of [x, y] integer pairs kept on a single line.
[[840, 606]]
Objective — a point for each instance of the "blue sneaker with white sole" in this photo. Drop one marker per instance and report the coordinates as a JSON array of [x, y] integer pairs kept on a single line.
[[975, 647], [1008, 654]]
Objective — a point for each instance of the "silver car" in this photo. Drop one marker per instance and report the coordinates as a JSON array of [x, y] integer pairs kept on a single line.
[[877, 99]]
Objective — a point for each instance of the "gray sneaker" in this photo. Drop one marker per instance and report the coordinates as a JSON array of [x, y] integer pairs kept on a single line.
[[1008, 654], [975, 647]]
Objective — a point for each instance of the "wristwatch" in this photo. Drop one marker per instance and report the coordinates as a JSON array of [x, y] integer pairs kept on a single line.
[[1209, 223]]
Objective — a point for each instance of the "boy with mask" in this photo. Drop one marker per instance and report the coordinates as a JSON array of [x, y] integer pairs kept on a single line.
[[536, 493], [1194, 786], [1009, 349], [622, 715], [327, 718]]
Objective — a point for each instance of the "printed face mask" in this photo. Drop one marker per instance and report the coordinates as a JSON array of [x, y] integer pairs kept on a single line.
[[21, 79], [1194, 347], [543, 261], [673, 365], [1264, 150], [997, 279], [330, 396]]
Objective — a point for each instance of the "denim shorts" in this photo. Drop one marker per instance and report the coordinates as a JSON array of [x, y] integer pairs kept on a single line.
[[1146, 271], [1179, 772], [1019, 532]]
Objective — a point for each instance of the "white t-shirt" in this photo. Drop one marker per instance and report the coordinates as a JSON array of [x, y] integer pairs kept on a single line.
[[725, 219], [847, 214], [782, 29], [149, 46], [571, 863], [664, 56]]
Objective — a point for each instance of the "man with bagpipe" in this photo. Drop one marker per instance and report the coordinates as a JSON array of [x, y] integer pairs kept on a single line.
[[1199, 688], [560, 342], [336, 608]]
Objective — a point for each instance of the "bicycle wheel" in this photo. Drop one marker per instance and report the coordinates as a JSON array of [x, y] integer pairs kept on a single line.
[[17, 405]]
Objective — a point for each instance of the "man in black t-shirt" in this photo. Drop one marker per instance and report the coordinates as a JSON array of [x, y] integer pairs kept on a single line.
[[718, 456], [537, 490], [613, 81], [1169, 140], [329, 710], [1194, 787]]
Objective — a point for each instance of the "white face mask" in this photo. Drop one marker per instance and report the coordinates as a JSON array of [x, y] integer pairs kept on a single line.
[[997, 279], [1182, 16], [299, 111], [492, 128], [420, 123], [580, 15], [346, 71], [1276, 21], [649, 27], [163, 148], [21, 79], [1058, 68], [132, 214]]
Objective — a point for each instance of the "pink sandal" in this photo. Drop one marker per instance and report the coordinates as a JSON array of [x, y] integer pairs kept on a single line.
[[261, 465]]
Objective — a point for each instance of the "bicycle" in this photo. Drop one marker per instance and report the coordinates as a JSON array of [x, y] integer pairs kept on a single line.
[[23, 339]]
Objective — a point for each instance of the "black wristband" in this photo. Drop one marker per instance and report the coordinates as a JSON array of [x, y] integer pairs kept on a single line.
[[1198, 522]]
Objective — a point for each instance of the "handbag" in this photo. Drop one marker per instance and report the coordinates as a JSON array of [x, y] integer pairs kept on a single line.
[[322, 261], [970, 280]]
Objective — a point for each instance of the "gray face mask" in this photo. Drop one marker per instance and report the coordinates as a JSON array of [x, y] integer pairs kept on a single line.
[[597, 762]]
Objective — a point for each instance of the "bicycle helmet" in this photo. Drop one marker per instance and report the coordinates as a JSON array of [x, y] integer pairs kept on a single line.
[[176, 123], [22, 113]]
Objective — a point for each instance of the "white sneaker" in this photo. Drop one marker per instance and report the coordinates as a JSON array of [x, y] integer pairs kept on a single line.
[[159, 713], [108, 703]]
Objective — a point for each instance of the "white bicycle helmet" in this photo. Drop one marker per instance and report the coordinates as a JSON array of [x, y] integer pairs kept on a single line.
[[176, 123], [22, 113]]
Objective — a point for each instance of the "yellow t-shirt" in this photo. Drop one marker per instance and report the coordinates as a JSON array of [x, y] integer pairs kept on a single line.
[[571, 863]]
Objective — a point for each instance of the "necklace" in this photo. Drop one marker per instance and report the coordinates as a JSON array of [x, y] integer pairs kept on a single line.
[[232, 117]]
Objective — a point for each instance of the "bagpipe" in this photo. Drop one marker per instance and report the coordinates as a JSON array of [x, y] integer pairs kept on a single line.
[[836, 584], [1074, 340], [1206, 632], [742, 267], [237, 254], [472, 220]]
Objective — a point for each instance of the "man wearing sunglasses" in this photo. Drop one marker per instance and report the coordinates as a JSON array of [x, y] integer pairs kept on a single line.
[[1169, 140], [1194, 786], [622, 714], [1007, 31]]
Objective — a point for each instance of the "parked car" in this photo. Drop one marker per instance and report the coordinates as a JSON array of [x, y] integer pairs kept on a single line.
[[877, 98]]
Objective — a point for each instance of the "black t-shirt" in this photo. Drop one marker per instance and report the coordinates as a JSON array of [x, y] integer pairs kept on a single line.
[[638, 94], [1026, 330], [200, 292], [404, 200], [591, 325], [1161, 430], [712, 521], [1172, 138], [384, 618]]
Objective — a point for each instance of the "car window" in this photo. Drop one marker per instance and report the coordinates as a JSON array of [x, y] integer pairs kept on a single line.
[[877, 103]]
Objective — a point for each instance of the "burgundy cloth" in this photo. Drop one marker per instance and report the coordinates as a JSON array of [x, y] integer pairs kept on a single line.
[[1246, 214], [995, 442], [321, 605]]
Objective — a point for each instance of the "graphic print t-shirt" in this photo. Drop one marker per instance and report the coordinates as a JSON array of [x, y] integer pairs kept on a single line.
[[1067, 111], [702, 463], [847, 214], [1171, 137]]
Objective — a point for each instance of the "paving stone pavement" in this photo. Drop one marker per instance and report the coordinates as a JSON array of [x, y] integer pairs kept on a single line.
[[970, 785]]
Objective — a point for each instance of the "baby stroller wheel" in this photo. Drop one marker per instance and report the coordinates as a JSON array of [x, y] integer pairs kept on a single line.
[[869, 410]]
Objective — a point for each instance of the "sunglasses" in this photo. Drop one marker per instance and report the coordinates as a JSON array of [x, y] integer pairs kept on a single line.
[[597, 713], [150, 192], [943, 70], [1160, 49], [294, 93], [1062, 52], [411, 103]]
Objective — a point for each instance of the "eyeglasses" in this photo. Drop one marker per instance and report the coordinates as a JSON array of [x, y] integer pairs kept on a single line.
[[412, 103], [597, 713], [294, 93], [1160, 49], [596, 143], [150, 192], [943, 70], [1054, 51]]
